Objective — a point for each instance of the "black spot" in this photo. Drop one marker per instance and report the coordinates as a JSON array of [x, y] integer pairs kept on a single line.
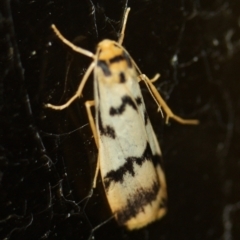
[[116, 59], [127, 167], [157, 160], [138, 100], [100, 125], [145, 117], [128, 60], [107, 130], [137, 202], [126, 100], [104, 66], [122, 77]]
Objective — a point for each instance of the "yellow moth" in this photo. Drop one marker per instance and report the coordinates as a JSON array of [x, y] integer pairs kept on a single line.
[[129, 156]]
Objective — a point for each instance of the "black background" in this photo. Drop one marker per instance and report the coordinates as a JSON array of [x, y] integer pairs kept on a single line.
[[48, 157]]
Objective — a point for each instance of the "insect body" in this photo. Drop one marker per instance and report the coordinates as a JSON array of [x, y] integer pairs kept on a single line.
[[129, 154], [128, 150]]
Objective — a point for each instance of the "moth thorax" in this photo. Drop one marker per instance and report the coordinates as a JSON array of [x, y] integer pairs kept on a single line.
[[108, 49]]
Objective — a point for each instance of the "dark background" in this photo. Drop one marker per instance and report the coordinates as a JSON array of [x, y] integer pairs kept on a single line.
[[48, 157]]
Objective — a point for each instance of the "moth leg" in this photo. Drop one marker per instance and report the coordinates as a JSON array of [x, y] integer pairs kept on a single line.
[[159, 100], [121, 37], [155, 78], [78, 93], [96, 173], [161, 103], [88, 105], [71, 45]]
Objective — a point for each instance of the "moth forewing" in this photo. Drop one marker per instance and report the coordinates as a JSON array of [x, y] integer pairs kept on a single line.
[[129, 154]]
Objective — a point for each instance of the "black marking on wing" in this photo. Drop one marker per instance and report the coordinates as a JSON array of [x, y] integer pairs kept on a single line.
[[137, 202], [145, 117], [128, 60], [123, 57], [116, 59], [157, 160], [104, 66], [107, 130], [126, 100], [138, 100], [122, 77], [127, 167]]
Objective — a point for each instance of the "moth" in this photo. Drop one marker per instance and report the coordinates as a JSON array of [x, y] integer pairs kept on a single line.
[[129, 157]]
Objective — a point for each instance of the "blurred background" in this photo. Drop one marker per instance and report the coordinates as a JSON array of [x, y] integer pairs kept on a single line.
[[48, 157]]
